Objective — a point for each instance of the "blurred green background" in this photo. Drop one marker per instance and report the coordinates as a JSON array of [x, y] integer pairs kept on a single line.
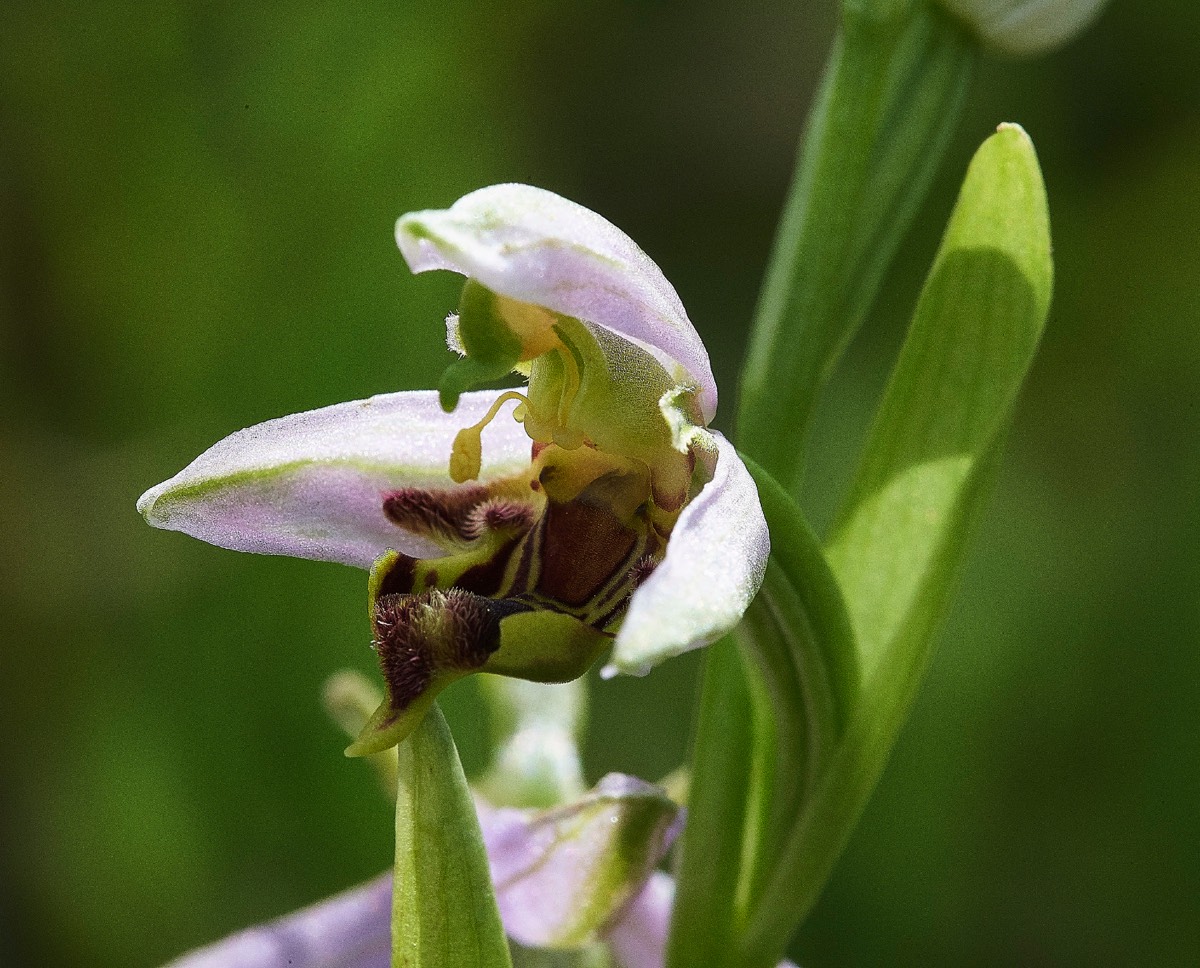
[[196, 208]]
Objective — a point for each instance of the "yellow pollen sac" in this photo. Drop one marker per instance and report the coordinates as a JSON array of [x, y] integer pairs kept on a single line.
[[466, 457], [548, 423]]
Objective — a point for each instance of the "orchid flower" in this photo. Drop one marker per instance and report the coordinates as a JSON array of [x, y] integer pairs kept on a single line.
[[517, 532], [560, 884]]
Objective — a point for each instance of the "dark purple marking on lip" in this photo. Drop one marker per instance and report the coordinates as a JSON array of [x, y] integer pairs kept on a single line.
[[583, 545], [418, 636], [399, 578], [406, 663], [487, 577], [435, 513]]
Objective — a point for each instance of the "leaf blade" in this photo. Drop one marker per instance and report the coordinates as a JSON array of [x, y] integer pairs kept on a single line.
[[924, 477], [443, 907], [972, 340], [702, 922], [892, 93], [772, 712]]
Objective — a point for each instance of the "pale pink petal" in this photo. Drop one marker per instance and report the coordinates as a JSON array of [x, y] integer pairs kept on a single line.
[[532, 245], [561, 874], [714, 565], [638, 936], [312, 485], [350, 930]]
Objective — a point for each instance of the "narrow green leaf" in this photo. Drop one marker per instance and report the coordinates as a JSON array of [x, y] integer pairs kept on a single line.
[[595, 956], [884, 115], [710, 852], [949, 402], [925, 475], [771, 715], [798, 638], [443, 908]]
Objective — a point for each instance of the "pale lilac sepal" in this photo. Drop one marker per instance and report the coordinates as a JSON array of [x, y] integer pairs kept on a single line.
[[713, 568], [312, 485], [350, 930], [638, 938], [537, 247], [562, 874]]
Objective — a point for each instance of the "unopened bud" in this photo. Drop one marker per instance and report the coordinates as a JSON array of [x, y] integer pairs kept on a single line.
[[1024, 28]]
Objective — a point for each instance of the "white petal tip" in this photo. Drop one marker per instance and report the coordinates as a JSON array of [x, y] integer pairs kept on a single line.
[[720, 544], [626, 668], [148, 506]]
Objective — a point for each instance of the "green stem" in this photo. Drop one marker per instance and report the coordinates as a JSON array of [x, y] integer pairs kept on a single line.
[[443, 907], [884, 114], [703, 928], [771, 714]]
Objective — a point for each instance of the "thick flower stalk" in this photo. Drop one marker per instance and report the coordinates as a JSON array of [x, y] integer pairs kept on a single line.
[[522, 532]]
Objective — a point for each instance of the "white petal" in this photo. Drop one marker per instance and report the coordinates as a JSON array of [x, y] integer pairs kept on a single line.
[[351, 930], [1026, 27], [532, 245], [312, 485], [560, 874], [715, 561]]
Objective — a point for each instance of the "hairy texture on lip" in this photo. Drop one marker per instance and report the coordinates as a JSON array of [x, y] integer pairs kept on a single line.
[[498, 515], [403, 655], [419, 636], [446, 514], [642, 569]]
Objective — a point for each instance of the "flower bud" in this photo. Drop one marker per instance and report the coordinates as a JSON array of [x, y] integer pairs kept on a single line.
[[1024, 28]]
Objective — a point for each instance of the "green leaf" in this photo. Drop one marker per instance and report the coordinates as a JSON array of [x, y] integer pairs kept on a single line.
[[885, 112], [443, 910], [799, 638], [925, 474], [949, 402], [595, 956], [772, 713], [703, 923]]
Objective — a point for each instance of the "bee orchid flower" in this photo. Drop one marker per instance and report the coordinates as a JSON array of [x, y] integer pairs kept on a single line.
[[568, 879], [520, 531]]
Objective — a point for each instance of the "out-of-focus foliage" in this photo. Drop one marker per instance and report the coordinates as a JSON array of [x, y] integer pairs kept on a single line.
[[196, 205]]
